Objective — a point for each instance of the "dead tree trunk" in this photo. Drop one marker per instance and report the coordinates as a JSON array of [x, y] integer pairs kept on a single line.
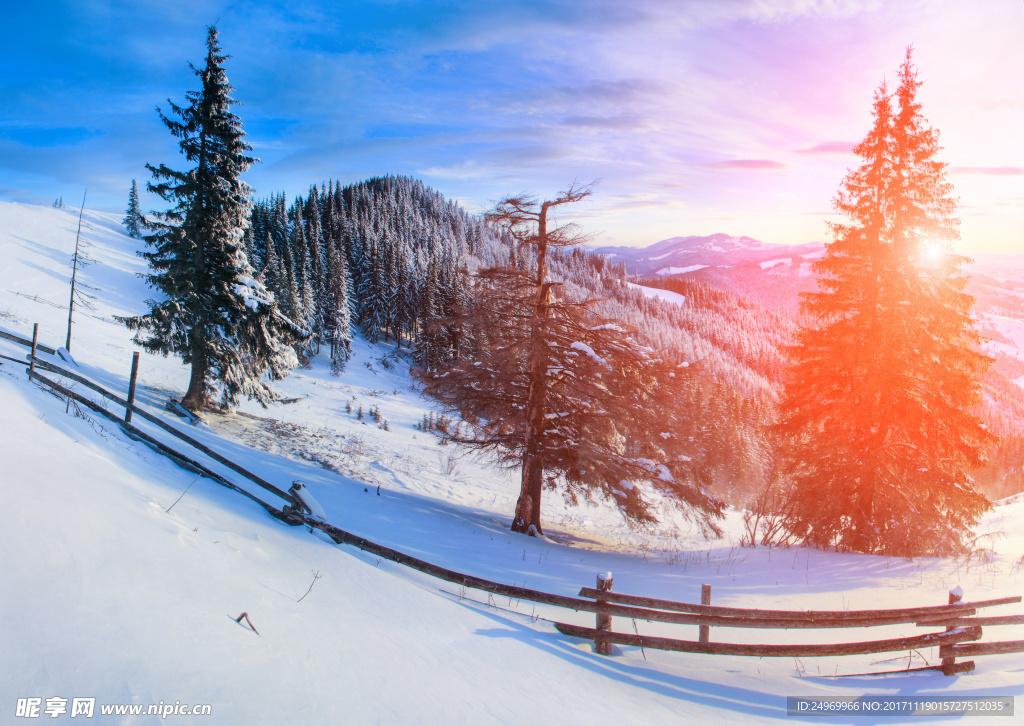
[[527, 518]]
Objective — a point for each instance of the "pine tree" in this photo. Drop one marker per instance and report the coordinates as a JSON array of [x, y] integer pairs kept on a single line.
[[373, 293], [304, 306], [405, 295], [877, 405], [338, 313], [318, 264], [214, 314], [288, 284], [271, 273], [133, 220], [426, 347]]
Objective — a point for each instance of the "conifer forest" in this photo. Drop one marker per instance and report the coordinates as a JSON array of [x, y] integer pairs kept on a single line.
[[852, 415]]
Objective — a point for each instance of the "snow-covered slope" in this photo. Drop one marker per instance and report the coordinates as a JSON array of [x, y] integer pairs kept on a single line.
[[107, 594], [683, 255]]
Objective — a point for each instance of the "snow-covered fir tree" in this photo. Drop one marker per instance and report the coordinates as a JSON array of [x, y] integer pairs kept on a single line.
[[337, 311], [878, 405], [134, 222], [212, 312]]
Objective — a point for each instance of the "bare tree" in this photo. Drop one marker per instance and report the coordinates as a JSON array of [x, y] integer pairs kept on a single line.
[[552, 387]]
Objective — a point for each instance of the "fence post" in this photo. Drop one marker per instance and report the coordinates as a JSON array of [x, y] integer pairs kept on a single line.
[[949, 664], [131, 387], [32, 361], [704, 634], [604, 621]]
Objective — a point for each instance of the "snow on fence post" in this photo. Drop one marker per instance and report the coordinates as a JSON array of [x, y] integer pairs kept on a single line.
[[704, 631], [32, 359], [949, 664], [604, 621], [131, 388]]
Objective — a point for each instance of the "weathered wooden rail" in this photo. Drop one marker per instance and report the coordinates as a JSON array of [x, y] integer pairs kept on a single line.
[[131, 408], [958, 640], [756, 618], [808, 650], [955, 617], [159, 446], [26, 342]]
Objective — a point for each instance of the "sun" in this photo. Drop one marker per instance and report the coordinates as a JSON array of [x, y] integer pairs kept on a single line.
[[932, 250]]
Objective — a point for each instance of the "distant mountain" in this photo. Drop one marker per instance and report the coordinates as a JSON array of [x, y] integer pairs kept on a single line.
[[685, 255], [772, 274]]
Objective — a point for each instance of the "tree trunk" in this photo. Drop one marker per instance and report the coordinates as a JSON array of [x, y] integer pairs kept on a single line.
[[196, 397], [527, 518]]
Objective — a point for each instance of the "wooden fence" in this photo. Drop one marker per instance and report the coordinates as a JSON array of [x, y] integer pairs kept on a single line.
[[953, 642], [959, 638]]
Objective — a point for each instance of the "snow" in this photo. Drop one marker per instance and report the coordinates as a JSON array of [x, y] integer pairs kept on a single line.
[[666, 295], [1011, 328], [584, 348], [773, 263], [107, 594], [679, 270], [1008, 328], [65, 356], [301, 490]]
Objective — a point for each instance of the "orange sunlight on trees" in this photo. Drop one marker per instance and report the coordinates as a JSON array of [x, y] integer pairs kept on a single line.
[[876, 416]]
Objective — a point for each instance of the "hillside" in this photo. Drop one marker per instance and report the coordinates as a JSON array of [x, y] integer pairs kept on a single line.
[[111, 596], [738, 274], [406, 258]]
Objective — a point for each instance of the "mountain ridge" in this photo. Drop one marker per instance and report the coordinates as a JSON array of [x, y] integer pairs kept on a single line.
[[687, 254]]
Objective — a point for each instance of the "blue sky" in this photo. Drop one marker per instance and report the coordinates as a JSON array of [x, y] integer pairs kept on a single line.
[[696, 116]]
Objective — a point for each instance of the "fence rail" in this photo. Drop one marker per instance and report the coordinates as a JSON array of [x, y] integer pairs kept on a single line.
[[952, 643], [26, 342], [911, 613], [770, 651], [961, 627], [47, 366], [756, 618], [969, 649], [161, 447], [954, 622]]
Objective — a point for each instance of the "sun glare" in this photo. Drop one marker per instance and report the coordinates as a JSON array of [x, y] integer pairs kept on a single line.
[[932, 250]]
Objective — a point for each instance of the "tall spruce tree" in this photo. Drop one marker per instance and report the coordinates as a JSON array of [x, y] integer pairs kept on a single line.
[[133, 220], [337, 319], [213, 314], [877, 406]]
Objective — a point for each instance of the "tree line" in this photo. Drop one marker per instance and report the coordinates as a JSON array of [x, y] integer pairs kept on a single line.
[[385, 256]]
